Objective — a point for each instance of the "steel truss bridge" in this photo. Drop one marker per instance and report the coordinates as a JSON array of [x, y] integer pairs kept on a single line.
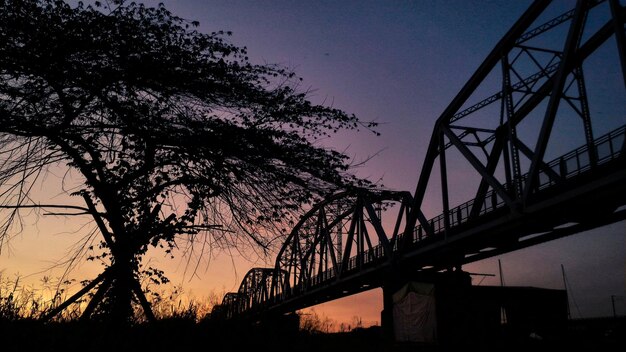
[[354, 240]]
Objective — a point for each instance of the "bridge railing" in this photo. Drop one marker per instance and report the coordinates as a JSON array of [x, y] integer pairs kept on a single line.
[[606, 148]]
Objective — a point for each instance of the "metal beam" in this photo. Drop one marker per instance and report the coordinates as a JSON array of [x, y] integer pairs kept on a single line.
[[504, 45], [571, 43], [492, 163], [482, 170], [617, 12]]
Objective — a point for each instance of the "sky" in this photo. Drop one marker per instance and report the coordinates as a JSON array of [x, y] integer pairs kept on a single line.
[[398, 63]]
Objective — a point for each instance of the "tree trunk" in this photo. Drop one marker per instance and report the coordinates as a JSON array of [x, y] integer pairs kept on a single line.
[[120, 296]]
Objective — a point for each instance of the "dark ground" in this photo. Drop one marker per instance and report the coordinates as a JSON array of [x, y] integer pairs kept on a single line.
[[606, 334]]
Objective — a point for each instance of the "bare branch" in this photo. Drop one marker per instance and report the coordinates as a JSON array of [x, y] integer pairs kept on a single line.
[[56, 206]]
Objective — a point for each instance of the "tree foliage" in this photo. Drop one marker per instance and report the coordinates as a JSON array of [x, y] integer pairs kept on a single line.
[[174, 132]]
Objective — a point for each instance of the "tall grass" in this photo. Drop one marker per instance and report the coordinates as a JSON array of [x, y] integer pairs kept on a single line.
[[22, 302], [173, 303], [19, 301]]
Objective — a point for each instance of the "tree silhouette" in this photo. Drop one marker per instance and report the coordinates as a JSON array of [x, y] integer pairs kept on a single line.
[[174, 133]]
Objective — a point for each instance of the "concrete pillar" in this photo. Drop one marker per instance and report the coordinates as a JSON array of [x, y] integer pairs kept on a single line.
[[386, 315]]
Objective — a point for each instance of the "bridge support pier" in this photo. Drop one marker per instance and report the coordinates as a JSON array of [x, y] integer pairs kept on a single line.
[[425, 308]]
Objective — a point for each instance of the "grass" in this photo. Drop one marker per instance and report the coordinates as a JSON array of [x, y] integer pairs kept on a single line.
[[182, 324], [22, 302]]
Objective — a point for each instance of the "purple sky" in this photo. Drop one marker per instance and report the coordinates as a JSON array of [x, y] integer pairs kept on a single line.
[[399, 63]]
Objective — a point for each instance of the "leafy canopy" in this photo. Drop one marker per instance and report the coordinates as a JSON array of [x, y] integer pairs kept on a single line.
[[174, 131]]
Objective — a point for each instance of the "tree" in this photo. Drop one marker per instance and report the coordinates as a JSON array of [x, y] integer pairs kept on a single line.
[[173, 132]]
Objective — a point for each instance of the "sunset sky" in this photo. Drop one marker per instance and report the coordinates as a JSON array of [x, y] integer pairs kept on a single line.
[[399, 63]]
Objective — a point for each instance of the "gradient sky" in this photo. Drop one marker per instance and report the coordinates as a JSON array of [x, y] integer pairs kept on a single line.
[[399, 63]]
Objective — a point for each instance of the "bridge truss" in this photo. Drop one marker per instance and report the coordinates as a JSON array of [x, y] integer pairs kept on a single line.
[[527, 183]]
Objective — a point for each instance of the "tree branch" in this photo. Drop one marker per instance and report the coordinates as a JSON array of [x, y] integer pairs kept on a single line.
[[57, 206]]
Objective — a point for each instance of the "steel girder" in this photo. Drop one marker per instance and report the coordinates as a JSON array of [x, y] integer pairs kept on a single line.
[[339, 236], [255, 290]]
